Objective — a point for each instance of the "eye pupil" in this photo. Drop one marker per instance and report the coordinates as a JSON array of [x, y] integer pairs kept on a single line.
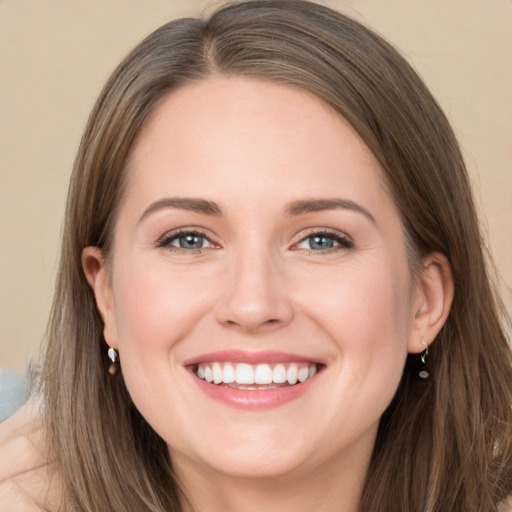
[[321, 242], [191, 241]]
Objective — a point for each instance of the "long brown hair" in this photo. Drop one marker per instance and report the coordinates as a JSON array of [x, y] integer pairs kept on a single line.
[[444, 444]]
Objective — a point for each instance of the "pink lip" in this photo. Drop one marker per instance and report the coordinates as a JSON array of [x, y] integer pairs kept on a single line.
[[251, 399], [244, 356], [254, 399]]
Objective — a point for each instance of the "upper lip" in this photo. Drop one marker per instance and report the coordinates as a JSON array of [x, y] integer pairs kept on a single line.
[[250, 357]]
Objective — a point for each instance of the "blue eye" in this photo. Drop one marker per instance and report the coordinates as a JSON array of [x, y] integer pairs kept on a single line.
[[324, 242], [320, 242], [188, 240]]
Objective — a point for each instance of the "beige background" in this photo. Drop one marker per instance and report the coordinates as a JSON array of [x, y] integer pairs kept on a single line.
[[55, 56]]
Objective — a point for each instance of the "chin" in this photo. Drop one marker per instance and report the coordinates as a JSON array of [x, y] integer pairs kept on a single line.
[[262, 453], [256, 467]]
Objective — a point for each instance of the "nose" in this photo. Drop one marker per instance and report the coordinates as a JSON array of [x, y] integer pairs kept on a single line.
[[255, 298]]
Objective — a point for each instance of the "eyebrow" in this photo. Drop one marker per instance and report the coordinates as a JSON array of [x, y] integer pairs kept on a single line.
[[303, 206], [191, 204], [294, 208]]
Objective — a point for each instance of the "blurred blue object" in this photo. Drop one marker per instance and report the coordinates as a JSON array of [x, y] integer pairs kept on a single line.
[[13, 392]]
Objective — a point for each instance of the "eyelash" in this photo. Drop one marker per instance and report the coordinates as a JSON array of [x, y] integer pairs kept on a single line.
[[167, 239], [344, 242]]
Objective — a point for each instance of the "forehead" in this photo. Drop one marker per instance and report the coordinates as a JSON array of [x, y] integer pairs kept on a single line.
[[242, 137]]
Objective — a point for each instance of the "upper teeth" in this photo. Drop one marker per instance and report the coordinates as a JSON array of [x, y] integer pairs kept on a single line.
[[242, 373]]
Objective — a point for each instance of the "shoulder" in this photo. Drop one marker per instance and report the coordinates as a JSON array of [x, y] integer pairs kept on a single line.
[[25, 474], [506, 506]]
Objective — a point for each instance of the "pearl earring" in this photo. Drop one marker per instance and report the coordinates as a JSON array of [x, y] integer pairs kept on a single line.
[[424, 372], [114, 357]]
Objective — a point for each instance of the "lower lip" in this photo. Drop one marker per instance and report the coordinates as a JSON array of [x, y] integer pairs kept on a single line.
[[254, 398]]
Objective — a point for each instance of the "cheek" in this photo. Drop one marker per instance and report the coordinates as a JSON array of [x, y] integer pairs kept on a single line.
[[367, 316], [157, 306], [363, 299], [365, 311]]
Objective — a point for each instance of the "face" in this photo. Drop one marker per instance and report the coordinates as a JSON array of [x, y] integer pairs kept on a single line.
[[258, 291]]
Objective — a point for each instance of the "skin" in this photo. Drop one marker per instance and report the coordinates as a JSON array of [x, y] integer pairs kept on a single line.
[[253, 147]]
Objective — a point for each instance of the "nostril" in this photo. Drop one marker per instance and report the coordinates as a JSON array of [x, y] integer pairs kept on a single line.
[[254, 324], [254, 309]]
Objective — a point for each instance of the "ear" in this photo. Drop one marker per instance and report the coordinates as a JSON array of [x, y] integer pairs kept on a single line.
[[432, 301], [96, 272]]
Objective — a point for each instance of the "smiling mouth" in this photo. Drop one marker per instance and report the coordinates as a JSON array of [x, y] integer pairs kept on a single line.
[[255, 377]]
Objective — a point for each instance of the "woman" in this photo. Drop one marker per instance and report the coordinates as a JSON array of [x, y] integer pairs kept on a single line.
[[272, 286]]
